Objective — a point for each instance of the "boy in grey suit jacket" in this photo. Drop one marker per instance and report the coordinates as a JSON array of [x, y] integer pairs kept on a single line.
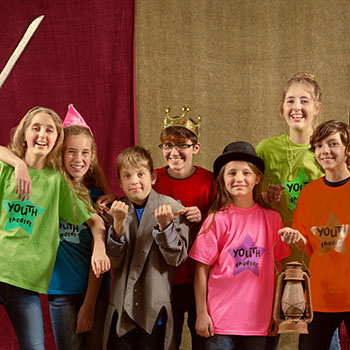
[[148, 238]]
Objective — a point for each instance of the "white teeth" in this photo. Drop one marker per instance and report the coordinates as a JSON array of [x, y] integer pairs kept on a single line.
[[77, 166], [41, 143]]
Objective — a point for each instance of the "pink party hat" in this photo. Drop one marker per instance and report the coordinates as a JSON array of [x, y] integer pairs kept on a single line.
[[73, 117]]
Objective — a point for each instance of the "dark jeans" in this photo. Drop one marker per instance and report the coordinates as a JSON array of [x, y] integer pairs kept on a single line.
[[321, 330], [184, 301], [235, 342], [137, 339]]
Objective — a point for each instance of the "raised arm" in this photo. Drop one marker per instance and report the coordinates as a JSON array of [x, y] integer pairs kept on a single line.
[[23, 181]]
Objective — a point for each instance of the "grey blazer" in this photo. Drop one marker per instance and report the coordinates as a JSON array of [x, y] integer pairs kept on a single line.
[[143, 263]]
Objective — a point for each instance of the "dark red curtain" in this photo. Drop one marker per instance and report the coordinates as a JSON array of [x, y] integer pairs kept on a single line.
[[82, 53]]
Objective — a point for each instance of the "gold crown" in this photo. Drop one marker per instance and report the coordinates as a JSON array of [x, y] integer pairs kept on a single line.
[[183, 120]]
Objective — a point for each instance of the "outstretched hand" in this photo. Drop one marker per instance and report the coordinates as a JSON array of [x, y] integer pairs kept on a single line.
[[289, 235]]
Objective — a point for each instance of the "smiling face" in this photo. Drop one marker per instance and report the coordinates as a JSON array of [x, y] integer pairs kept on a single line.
[[180, 159], [240, 180], [299, 108], [77, 156], [40, 137], [331, 154], [136, 182]]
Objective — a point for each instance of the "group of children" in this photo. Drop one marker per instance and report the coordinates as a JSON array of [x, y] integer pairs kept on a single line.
[[183, 239]]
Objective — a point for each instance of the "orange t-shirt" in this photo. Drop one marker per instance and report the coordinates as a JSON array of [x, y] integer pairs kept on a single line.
[[322, 215]]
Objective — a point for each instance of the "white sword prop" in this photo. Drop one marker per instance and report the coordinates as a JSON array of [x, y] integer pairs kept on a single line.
[[19, 49]]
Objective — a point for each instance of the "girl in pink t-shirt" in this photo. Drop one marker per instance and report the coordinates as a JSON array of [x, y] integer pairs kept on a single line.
[[234, 278]]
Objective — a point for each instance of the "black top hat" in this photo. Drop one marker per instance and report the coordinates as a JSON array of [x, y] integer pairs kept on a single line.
[[238, 150]]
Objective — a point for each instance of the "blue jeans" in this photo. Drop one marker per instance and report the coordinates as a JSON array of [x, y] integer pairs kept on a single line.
[[184, 301], [24, 310], [321, 330], [64, 310], [232, 342]]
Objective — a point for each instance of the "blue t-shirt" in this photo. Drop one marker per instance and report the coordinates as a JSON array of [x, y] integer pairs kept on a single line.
[[71, 271]]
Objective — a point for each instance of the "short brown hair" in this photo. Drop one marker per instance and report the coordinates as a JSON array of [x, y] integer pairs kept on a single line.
[[177, 133], [328, 128], [136, 156]]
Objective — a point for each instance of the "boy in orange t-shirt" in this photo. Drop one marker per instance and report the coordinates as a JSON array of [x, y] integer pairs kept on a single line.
[[321, 223]]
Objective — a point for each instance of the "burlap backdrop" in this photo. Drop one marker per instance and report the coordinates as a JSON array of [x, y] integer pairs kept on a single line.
[[229, 59]]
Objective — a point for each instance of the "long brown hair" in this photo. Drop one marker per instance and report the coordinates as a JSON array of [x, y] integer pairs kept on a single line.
[[94, 176], [223, 199]]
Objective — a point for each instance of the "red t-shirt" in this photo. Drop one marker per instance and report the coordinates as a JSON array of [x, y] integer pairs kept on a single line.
[[198, 190]]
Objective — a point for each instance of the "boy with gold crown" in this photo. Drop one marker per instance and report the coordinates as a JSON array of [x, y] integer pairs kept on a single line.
[[194, 188]]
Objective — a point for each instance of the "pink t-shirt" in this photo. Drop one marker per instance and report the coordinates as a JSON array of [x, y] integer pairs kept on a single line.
[[238, 247]]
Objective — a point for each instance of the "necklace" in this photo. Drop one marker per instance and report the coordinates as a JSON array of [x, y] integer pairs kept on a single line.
[[294, 157]]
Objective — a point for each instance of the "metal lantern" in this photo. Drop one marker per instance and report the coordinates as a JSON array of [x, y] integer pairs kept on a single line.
[[291, 310]]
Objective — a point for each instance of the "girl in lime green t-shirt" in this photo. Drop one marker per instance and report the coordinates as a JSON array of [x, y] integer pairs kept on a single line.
[[29, 226]]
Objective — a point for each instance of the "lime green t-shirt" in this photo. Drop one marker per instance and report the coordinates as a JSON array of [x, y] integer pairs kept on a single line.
[[29, 231], [289, 164]]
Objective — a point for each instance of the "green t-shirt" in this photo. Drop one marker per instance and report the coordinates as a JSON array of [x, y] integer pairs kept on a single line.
[[29, 231], [291, 165]]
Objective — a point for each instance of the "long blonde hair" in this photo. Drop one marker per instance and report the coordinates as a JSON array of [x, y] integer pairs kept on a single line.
[[18, 145], [94, 176]]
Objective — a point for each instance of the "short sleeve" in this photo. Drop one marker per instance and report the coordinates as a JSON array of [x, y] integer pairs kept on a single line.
[[71, 207], [205, 248]]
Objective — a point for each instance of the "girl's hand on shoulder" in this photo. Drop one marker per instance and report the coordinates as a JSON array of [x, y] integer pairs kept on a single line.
[[274, 193], [100, 262], [164, 216], [23, 181], [204, 325], [289, 235], [192, 214], [85, 318], [103, 201]]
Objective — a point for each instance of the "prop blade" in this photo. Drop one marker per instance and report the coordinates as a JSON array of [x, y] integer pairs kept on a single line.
[[19, 49]]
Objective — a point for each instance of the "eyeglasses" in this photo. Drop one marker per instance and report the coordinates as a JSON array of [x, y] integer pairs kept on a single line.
[[167, 146]]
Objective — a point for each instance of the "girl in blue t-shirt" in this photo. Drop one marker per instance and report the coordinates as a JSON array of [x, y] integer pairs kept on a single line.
[[78, 300]]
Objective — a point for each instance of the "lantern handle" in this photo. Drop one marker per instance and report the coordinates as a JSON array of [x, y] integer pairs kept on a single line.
[[302, 259]]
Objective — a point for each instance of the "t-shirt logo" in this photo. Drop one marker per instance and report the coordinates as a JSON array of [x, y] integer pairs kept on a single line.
[[22, 214], [247, 256], [331, 235], [294, 188], [70, 232]]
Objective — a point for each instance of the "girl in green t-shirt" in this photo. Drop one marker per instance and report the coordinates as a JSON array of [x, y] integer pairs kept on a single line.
[[29, 224]]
